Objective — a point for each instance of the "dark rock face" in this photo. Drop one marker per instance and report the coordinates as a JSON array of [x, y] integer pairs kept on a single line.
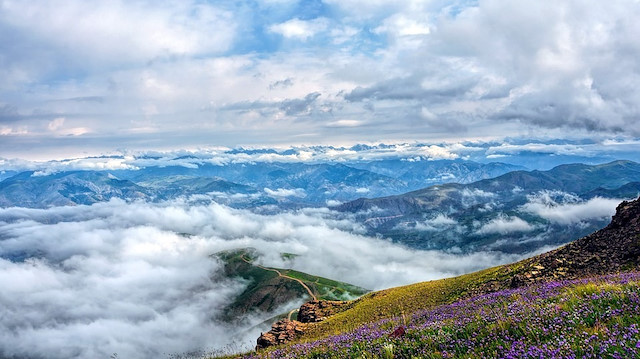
[[613, 249], [281, 332], [318, 310]]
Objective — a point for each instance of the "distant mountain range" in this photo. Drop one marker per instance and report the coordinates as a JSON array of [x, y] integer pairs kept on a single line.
[[459, 205], [519, 211], [66, 188], [241, 184]]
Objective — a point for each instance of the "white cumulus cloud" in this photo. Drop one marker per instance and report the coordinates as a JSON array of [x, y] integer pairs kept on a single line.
[[300, 29], [505, 225], [569, 209]]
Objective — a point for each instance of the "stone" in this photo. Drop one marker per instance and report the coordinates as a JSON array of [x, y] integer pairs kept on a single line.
[[281, 332], [318, 310]]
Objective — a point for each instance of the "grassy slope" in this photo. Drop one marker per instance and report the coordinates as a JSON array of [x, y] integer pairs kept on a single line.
[[615, 248], [425, 295], [267, 290], [326, 289], [408, 299], [586, 318]]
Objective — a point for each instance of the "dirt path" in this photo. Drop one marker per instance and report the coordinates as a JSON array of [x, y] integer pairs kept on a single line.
[[291, 313], [283, 276]]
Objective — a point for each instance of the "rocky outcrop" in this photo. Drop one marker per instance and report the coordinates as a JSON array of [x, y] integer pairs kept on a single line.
[[613, 249], [287, 330], [318, 310], [281, 332]]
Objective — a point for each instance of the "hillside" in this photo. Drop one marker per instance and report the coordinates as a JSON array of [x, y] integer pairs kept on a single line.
[[269, 289], [28, 189], [574, 178], [614, 249], [589, 318], [517, 212]]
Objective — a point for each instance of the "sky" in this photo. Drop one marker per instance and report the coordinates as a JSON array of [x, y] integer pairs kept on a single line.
[[89, 77]]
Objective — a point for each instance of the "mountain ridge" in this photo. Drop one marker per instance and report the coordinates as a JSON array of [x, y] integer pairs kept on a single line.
[[287, 184], [451, 215]]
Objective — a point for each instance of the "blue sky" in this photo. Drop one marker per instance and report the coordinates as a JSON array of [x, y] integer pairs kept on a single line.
[[89, 77]]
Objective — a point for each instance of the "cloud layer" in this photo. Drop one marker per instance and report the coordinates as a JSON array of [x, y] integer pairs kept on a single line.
[[525, 152], [137, 279]]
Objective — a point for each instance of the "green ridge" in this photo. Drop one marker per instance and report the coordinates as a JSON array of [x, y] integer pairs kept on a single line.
[[267, 291]]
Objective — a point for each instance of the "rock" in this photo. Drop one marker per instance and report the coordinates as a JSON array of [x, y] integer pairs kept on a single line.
[[318, 310], [398, 333], [287, 330], [266, 340], [281, 332]]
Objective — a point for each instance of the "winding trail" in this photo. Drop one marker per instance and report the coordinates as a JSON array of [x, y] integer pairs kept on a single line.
[[283, 276], [291, 313]]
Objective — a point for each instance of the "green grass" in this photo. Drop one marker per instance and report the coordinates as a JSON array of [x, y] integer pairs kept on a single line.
[[404, 300], [265, 289], [326, 289]]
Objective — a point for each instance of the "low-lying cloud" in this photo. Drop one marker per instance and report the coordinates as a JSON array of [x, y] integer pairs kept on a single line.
[[438, 223], [505, 225], [137, 279], [569, 209], [285, 192]]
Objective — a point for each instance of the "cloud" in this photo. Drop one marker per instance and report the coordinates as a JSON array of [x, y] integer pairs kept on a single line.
[[505, 225], [411, 88], [400, 25], [439, 153], [438, 223], [13, 131], [345, 123], [291, 107], [136, 279], [472, 197], [94, 287], [281, 83], [283, 192], [548, 148], [300, 29], [56, 123], [567, 209], [99, 32], [561, 81], [299, 106]]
